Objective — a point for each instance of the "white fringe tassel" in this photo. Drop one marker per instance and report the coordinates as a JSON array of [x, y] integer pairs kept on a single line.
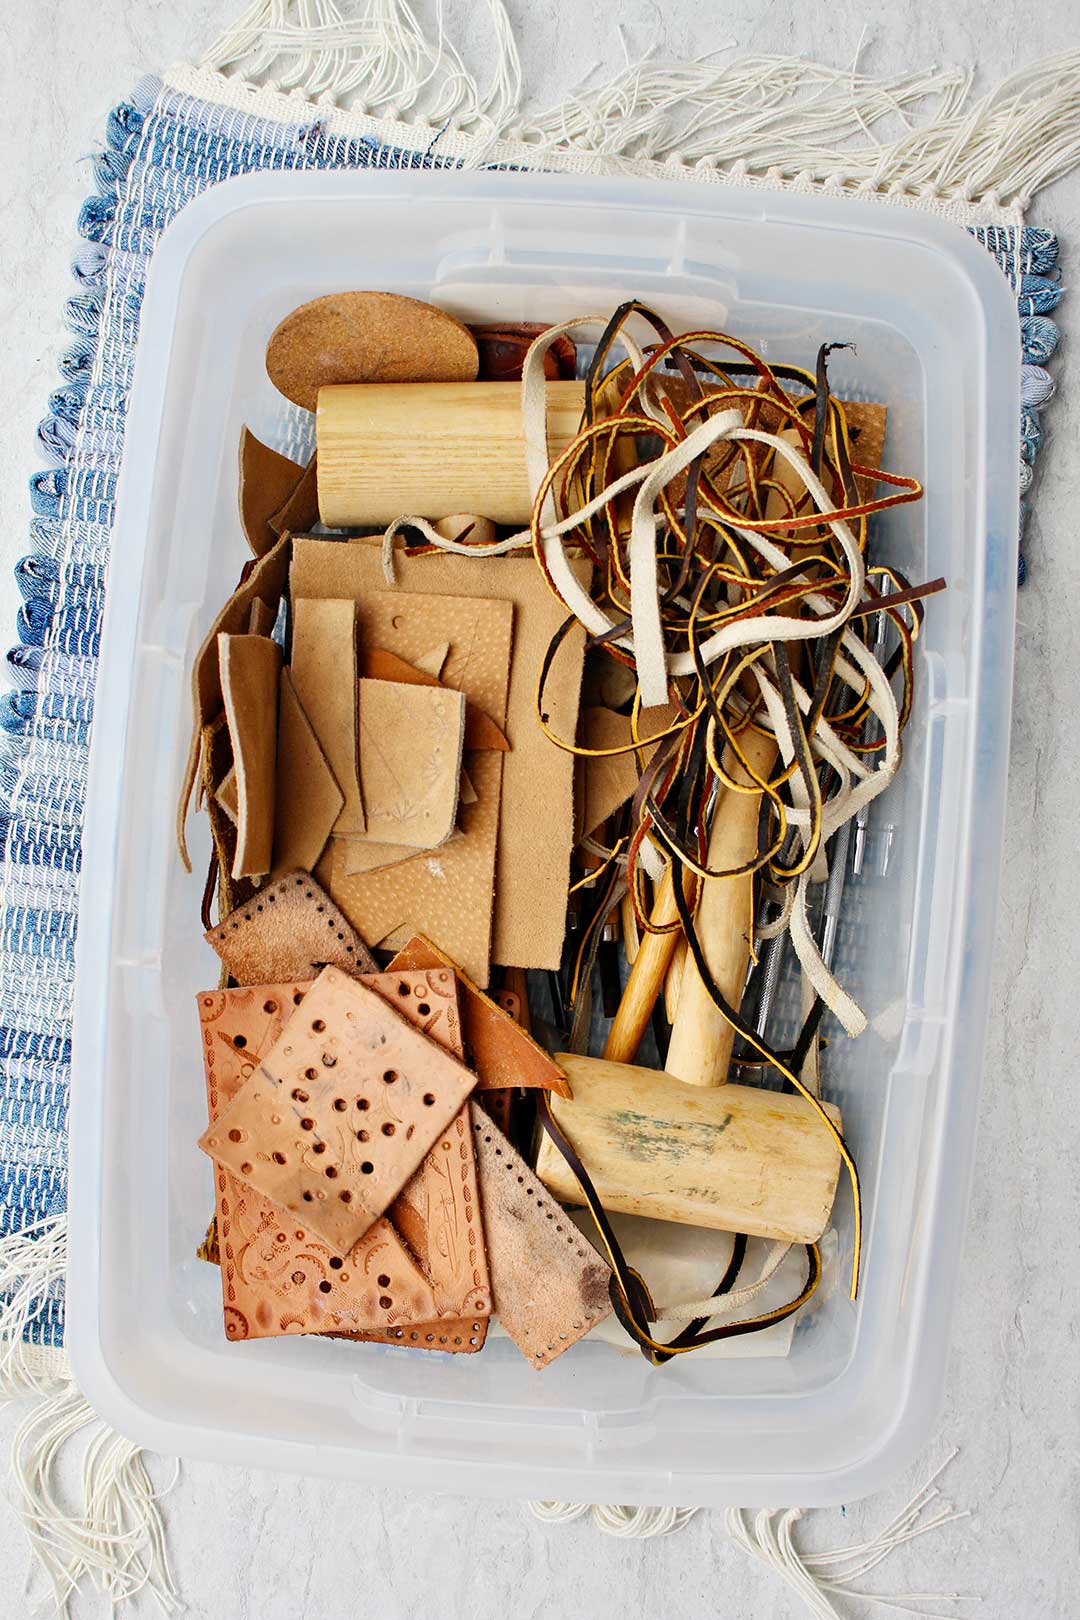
[[31, 1265], [774, 116], [769, 1536], [635, 1523], [117, 1540], [816, 1576], [378, 59]]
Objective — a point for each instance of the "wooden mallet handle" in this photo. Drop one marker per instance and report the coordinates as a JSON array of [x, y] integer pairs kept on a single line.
[[702, 1038], [646, 978]]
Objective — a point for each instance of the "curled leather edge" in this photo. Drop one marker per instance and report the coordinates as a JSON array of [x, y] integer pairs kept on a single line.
[[268, 484], [265, 578]]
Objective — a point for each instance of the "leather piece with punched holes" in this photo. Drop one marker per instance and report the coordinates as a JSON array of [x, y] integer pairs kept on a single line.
[[341, 1110], [291, 929]]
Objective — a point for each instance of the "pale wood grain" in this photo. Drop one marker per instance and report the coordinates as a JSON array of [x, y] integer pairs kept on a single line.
[[386, 449], [740, 1159]]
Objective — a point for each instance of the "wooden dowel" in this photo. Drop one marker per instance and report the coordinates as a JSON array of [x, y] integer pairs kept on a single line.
[[386, 449], [673, 978], [701, 1037], [741, 1159], [631, 933], [646, 979]]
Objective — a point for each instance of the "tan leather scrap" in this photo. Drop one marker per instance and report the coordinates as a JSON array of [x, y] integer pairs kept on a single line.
[[550, 1284], [291, 929]]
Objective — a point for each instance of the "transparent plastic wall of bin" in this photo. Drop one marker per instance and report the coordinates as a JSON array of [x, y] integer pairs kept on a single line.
[[932, 321]]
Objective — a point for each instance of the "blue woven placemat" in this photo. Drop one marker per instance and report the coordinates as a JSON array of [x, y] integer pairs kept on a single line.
[[162, 149]]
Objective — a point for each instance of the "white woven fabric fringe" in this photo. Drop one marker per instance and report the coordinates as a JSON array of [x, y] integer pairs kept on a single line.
[[769, 1536], [757, 119], [116, 1536]]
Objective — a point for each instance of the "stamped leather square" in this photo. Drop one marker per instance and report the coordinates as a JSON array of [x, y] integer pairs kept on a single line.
[[411, 738], [341, 1111], [277, 1276]]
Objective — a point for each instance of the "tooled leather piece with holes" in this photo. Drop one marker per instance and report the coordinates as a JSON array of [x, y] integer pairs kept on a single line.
[[438, 1214], [238, 1026], [277, 1277], [291, 929], [550, 1284], [448, 1334], [340, 1111]]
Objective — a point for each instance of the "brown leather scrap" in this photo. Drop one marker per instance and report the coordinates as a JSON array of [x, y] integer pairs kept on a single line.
[[301, 510], [250, 666], [267, 481], [550, 1284], [340, 1112], [291, 929], [265, 580], [498, 1049]]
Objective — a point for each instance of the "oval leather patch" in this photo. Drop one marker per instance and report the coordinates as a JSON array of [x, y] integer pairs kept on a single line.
[[355, 337]]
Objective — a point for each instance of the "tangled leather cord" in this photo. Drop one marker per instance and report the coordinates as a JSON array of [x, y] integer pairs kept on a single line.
[[749, 526]]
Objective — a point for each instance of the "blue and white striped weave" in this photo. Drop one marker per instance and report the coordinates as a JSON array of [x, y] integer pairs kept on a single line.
[[162, 149]]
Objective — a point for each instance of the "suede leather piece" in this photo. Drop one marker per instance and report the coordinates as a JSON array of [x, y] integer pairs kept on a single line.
[[250, 669], [550, 1284], [290, 929], [529, 917]]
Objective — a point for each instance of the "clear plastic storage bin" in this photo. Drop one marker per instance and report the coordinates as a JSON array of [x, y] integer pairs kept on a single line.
[[935, 328]]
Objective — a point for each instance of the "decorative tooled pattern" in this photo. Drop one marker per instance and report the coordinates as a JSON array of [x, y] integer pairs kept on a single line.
[[276, 1276]]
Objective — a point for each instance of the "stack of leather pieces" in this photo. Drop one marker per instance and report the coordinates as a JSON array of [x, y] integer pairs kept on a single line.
[[362, 1189]]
